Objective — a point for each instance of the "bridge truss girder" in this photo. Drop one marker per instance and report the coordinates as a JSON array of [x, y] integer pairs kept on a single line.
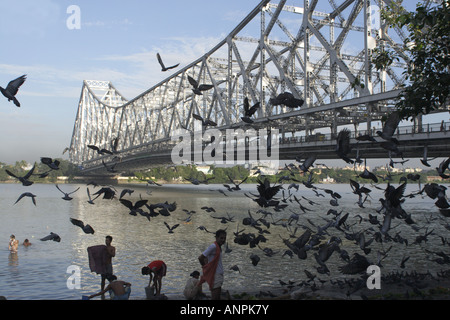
[[266, 54]]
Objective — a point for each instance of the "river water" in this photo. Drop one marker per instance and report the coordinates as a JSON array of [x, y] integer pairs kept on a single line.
[[44, 269]]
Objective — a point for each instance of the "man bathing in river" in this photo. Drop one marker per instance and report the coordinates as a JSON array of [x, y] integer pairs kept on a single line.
[[13, 244], [118, 289]]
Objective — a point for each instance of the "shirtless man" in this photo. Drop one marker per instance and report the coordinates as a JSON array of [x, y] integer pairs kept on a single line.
[[13, 244], [118, 289], [111, 252]]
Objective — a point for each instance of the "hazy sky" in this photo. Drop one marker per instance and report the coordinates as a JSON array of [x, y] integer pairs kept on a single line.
[[116, 41]]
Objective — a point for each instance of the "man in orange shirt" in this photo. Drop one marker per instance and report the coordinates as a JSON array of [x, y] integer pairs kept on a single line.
[[211, 261]]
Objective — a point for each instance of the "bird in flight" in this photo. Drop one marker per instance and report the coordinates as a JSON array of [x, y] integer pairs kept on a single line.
[[27, 194], [197, 89], [23, 179], [67, 194], [425, 159], [249, 111], [99, 151], [171, 228], [389, 127], [12, 88], [85, 227], [287, 99], [52, 236], [52, 164], [343, 147], [205, 122], [163, 67]]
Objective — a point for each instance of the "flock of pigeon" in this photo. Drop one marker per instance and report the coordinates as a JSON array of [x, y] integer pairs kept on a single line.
[[316, 240]]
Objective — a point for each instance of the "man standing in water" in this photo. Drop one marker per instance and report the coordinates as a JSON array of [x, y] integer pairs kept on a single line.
[[13, 244], [110, 253], [211, 261]]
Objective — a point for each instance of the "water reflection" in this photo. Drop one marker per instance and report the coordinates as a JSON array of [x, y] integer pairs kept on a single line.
[[13, 259], [139, 241]]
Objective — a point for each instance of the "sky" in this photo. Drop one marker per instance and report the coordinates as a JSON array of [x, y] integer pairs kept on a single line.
[[115, 41]]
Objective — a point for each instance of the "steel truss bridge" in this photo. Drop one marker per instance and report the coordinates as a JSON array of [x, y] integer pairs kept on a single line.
[[320, 51]]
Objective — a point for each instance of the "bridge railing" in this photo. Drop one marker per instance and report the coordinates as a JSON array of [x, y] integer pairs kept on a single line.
[[401, 130]]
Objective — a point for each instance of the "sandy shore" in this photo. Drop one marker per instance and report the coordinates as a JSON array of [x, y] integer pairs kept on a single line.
[[396, 287]]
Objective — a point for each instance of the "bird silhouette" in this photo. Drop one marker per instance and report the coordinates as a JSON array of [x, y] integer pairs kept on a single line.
[[249, 111], [366, 174], [124, 192], [287, 99], [165, 208], [110, 168], [392, 162], [235, 268], [357, 189], [308, 163], [255, 259], [266, 193], [425, 159], [171, 228], [203, 228], [135, 208], [205, 122], [365, 137], [108, 193], [52, 164], [236, 185], [224, 219], [100, 151], [358, 264], [12, 88], [163, 67], [197, 182], [23, 179], [443, 166], [389, 127], [197, 89], [151, 182], [67, 194], [343, 145], [91, 201], [86, 228], [433, 190], [27, 194], [115, 145], [208, 209], [394, 195], [52, 236]]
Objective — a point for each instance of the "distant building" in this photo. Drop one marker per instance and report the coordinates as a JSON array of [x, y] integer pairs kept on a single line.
[[204, 169], [434, 178], [357, 167], [327, 180]]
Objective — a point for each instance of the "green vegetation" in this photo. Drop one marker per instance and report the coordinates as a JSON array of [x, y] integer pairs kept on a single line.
[[239, 173], [219, 175], [20, 168], [427, 47]]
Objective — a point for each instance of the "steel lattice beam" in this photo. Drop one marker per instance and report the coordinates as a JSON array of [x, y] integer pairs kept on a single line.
[[316, 59]]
